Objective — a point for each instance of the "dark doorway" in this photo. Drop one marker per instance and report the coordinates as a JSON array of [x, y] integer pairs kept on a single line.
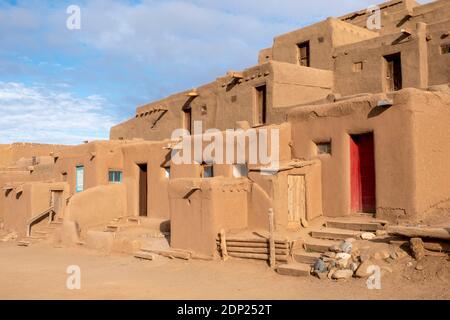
[[303, 54], [362, 170], [187, 119], [393, 65], [142, 190], [261, 104]]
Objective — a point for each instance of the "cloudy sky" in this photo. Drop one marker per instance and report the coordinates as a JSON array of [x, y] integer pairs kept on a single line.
[[65, 86]]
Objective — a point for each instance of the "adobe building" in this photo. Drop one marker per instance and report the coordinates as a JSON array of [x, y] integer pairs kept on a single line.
[[363, 120]]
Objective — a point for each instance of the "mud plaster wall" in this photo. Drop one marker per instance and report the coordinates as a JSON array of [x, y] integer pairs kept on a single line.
[[84, 207], [200, 208], [438, 63], [393, 142], [11, 153], [156, 159], [96, 157], [271, 191], [432, 151], [371, 79], [21, 206]]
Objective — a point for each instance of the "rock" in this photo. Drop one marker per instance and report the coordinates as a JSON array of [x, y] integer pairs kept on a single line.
[[331, 272], [363, 257], [380, 255], [335, 248], [419, 267], [346, 247], [350, 240], [417, 248], [353, 266], [368, 236], [342, 263], [320, 266], [381, 233], [342, 274], [343, 255], [362, 272], [409, 264], [320, 275], [355, 255], [332, 264], [329, 254]]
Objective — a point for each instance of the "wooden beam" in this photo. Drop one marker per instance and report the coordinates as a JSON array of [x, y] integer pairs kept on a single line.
[[420, 232]]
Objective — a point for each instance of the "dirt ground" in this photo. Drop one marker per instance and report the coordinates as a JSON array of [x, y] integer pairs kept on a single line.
[[39, 272]]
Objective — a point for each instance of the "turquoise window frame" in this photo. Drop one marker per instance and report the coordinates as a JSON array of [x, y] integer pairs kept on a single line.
[[115, 176], [79, 186]]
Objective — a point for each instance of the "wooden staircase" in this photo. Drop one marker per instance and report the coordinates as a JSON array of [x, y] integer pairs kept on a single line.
[[40, 232]]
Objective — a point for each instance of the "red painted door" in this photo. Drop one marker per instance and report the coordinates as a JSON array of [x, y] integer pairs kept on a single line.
[[362, 173]]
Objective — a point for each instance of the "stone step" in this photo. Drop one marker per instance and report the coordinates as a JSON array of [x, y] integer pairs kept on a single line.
[[136, 220], [306, 257], [334, 234], [40, 232], [318, 245], [24, 243], [56, 223], [294, 269], [354, 225]]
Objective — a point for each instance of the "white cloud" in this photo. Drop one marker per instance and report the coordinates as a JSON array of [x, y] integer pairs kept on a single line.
[[38, 114]]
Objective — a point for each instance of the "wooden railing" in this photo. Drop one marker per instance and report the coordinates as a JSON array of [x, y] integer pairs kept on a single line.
[[50, 212]]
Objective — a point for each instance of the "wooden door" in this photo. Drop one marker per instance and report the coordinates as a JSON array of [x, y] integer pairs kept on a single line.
[[362, 170], [296, 199]]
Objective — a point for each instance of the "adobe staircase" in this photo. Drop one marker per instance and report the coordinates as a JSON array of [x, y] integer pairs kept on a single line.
[[320, 239], [40, 232]]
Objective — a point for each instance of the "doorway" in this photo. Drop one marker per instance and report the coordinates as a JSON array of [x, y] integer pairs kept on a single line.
[[142, 189], [393, 67], [57, 202], [362, 170], [296, 200], [260, 105]]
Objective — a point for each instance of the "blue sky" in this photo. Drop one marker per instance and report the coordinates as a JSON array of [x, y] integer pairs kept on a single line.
[[66, 86]]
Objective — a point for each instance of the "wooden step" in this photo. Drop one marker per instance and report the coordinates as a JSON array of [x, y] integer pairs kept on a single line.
[[318, 245], [306, 257], [294, 269], [112, 228], [24, 243], [134, 220], [144, 255], [334, 234], [40, 232], [354, 225]]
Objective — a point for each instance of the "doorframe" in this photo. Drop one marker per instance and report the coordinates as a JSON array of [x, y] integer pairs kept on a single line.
[[139, 166]]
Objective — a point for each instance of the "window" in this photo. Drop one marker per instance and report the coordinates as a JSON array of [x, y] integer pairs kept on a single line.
[[115, 176], [358, 66], [240, 170], [303, 54], [445, 48], [79, 179], [393, 67], [261, 105], [167, 172], [323, 148], [208, 171]]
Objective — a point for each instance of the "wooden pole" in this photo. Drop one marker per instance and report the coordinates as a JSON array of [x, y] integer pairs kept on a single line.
[[223, 245], [271, 240]]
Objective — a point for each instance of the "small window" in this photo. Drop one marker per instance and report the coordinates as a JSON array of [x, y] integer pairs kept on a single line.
[[445, 48], [240, 170], [204, 110], [167, 172], [64, 176], [79, 186], [303, 54], [115, 176], [208, 171], [323, 148], [358, 66]]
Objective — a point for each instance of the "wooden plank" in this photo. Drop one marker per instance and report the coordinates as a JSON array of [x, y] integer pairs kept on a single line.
[[254, 245], [257, 250], [223, 245], [180, 254], [420, 232], [253, 240], [334, 234], [432, 246], [356, 226], [257, 256], [294, 269], [271, 240]]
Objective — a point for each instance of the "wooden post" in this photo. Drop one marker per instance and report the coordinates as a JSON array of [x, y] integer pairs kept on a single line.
[[223, 245], [271, 240]]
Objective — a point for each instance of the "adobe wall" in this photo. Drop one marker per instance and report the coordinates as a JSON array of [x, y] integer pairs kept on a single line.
[[11, 153], [96, 157], [432, 152], [395, 156], [371, 79], [23, 202], [323, 37], [157, 158], [438, 63], [97, 206], [201, 207]]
